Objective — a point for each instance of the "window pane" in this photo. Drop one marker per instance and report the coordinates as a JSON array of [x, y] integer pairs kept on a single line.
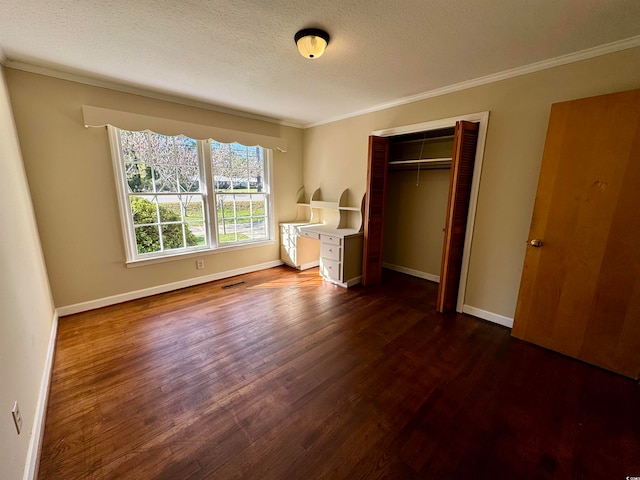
[[186, 151], [188, 178], [240, 183], [165, 177], [257, 204], [259, 228], [139, 177], [256, 169], [172, 236], [135, 146], [198, 235], [144, 210], [148, 239], [231, 168], [221, 182], [170, 209], [225, 207], [161, 149], [243, 206], [193, 206], [221, 165], [227, 232]]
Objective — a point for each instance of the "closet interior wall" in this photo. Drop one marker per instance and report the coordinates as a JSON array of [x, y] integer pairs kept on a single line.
[[416, 202]]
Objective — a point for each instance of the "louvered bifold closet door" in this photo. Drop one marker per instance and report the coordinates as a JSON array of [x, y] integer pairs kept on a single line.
[[464, 153], [374, 210]]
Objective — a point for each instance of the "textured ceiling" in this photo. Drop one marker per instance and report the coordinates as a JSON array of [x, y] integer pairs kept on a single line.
[[240, 54]]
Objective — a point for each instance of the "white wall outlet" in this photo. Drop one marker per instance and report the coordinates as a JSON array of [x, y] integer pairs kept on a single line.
[[199, 264], [17, 418]]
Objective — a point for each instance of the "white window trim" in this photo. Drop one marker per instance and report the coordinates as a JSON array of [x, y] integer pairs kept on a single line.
[[134, 259]]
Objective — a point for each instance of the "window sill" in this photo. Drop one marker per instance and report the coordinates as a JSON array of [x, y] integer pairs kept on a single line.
[[196, 253]]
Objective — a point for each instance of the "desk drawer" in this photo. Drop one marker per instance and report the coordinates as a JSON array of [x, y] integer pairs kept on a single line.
[[307, 234], [330, 269], [330, 251], [331, 239]]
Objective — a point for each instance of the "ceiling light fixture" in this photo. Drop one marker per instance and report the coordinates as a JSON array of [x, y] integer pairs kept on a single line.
[[311, 42]]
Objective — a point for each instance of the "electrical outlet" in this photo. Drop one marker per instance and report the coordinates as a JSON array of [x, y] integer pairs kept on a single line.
[[17, 418], [199, 264]]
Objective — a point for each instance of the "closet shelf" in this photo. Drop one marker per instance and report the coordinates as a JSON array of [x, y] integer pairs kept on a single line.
[[424, 140], [430, 163]]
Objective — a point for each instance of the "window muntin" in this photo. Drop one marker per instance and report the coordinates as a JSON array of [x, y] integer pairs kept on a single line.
[[163, 185]]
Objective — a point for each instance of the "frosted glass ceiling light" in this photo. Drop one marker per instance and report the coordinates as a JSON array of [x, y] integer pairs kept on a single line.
[[311, 42]]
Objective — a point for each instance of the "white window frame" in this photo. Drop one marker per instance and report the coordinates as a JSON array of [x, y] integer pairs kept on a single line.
[[212, 245]]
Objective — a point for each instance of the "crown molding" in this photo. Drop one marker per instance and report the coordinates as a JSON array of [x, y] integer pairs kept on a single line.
[[96, 82], [495, 77]]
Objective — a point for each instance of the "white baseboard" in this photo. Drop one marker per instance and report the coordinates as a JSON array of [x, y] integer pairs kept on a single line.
[[476, 312], [168, 287], [353, 281], [489, 316], [414, 273], [37, 432], [348, 284]]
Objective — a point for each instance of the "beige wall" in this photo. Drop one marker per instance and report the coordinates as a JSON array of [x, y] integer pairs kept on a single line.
[[26, 308], [71, 180], [335, 158], [414, 219]]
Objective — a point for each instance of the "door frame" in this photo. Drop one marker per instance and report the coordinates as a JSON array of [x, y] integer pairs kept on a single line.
[[482, 118]]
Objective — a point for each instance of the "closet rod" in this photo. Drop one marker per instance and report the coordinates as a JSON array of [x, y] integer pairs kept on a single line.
[[428, 164]]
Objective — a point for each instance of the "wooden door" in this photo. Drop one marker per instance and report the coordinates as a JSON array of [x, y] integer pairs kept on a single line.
[[374, 210], [580, 288], [464, 154]]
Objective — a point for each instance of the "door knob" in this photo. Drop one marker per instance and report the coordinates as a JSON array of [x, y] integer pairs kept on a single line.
[[536, 243]]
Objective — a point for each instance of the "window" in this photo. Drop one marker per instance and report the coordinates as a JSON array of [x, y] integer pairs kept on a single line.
[[179, 195], [240, 197]]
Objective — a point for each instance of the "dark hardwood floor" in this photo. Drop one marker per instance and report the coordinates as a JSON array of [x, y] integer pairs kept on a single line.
[[286, 377]]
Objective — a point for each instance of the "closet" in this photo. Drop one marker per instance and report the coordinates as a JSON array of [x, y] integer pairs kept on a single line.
[[416, 202], [418, 194]]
